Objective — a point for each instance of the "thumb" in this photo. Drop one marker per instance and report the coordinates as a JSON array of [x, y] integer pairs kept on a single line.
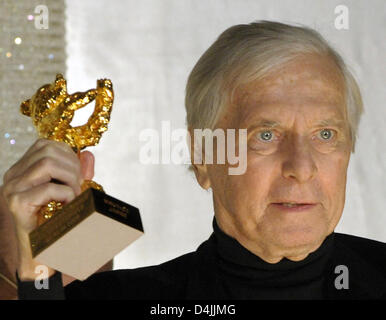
[[87, 162]]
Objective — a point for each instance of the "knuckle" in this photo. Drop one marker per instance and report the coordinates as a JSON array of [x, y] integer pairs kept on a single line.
[[40, 143], [78, 168], [71, 192], [54, 188], [63, 145], [8, 175], [6, 191], [67, 192], [13, 202], [47, 162], [51, 188], [48, 149], [53, 147], [75, 177]]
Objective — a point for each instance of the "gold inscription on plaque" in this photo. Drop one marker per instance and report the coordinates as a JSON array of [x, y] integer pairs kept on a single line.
[[116, 208]]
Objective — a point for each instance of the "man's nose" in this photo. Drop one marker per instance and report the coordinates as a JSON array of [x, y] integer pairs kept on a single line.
[[298, 162]]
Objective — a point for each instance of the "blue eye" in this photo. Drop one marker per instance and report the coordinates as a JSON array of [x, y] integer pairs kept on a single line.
[[326, 134], [266, 135]]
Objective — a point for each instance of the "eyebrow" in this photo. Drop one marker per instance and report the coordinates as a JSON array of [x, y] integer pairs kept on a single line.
[[265, 123], [331, 122]]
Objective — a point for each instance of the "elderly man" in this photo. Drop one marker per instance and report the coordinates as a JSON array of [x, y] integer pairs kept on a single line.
[[274, 224]]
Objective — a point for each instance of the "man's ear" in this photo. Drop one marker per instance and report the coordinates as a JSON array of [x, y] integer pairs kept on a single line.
[[201, 172], [200, 169]]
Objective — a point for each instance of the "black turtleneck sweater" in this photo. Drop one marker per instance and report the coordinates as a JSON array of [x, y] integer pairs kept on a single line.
[[223, 269]]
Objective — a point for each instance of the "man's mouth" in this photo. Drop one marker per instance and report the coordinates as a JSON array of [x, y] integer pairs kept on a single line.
[[293, 206], [290, 205]]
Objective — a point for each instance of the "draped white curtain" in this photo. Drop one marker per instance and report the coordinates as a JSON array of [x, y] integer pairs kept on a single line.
[[149, 47]]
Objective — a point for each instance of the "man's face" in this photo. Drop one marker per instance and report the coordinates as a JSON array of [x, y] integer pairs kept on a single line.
[[298, 151]]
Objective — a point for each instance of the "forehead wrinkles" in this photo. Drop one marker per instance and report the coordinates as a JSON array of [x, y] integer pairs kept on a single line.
[[310, 79], [306, 68], [289, 85], [284, 91]]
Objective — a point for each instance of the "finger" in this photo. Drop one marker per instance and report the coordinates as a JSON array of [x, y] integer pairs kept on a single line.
[[87, 162], [18, 167], [41, 143], [49, 150], [24, 205], [42, 172]]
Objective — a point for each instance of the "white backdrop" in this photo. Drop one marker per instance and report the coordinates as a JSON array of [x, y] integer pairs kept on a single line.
[[148, 48]]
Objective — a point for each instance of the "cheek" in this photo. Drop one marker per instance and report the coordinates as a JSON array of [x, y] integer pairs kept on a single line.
[[332, 176], [248, 193]]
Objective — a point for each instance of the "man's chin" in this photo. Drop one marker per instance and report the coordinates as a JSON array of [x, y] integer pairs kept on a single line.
[[297, 243]]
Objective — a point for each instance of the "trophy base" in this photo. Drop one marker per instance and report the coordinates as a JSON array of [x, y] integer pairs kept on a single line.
[[86, 234]]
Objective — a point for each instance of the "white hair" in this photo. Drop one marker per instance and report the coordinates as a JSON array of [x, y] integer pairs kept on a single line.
[[247, 52]]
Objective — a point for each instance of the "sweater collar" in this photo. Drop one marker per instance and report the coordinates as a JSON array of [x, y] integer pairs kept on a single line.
[[237, 260]]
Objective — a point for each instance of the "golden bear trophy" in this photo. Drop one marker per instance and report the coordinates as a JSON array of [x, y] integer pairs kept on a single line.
[[80, 237]]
